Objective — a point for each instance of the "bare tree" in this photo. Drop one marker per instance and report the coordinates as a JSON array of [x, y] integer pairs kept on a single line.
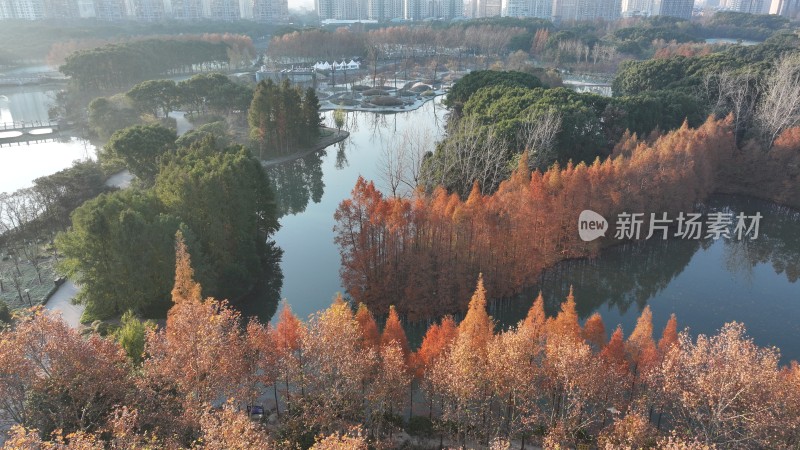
[[779, 108], [733, 93], [538, 136], [472, 153], [400, 164], [16, 280]]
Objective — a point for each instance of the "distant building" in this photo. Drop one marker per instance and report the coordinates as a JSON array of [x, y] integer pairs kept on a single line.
[[22, 9], [635, 8], [112, 10], [270, 10], [225, 10], [342, 9], [187, 9], [383, 10], [576, 10], [147, 10], [750, 6], [786, 8], [677, 8], [542, 9], [62, 9]]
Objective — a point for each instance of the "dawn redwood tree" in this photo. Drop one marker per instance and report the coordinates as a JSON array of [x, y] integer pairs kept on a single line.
[[201, 355], [389, 388], [640, 346], [334, 367], [594, 332], [566, 324], [393, 332], [669, 337], [371, 338], [288, 339], [460, 378]]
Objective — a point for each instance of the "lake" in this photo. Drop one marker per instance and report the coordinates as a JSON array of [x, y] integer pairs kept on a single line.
[[22, 162], [705, 283]]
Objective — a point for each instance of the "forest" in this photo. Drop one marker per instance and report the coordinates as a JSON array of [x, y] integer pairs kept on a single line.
[[48, 40], [338, 381], [127, 63]]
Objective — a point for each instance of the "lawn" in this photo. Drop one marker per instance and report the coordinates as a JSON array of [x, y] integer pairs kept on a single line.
[[28, 280]]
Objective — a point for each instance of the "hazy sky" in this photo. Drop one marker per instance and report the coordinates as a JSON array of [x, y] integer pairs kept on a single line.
[[299, 4]]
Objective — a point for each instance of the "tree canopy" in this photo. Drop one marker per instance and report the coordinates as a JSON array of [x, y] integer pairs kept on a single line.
[[122, 242]]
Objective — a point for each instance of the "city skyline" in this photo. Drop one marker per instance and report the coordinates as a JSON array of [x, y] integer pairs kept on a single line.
[[380, 10]]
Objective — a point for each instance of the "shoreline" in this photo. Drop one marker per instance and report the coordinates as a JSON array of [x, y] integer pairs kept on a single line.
[[323, 143]]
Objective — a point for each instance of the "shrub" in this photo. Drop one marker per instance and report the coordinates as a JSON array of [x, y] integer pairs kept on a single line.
[[5, 313], [372, 92], [386, 101]]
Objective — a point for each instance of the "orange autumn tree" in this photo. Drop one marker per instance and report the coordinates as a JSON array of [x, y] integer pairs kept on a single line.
[[594, 332], [53, 378], [393, 332], [435, 343], [421, 254], [669, 337], [566, 323], [536, 320], [200, 356], [369, 329], [288, 338], [335, 366], [460, 378], [640, 345]]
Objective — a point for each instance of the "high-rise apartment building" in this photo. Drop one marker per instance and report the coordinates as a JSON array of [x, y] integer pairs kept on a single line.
[[342, 9], [542, 9], [640, 8], [574, 10], [62, 9], [187, 9], [22, 9], [750, 6], [113, 10], [270, 10], [677, 8], [227, 10], [786, 8], [147, 10], [388, 9]]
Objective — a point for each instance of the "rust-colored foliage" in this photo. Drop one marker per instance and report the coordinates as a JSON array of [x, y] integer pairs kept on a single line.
[[369, 329], [393, 332], [422, 254], [185, 288], [594, 331]]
